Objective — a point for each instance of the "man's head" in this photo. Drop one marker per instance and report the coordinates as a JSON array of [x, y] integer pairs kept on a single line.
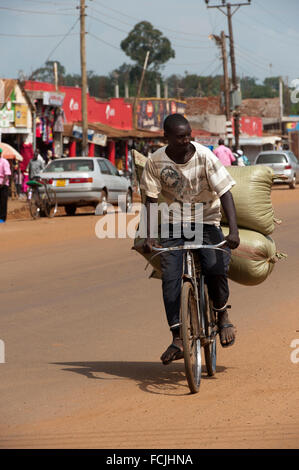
[[35, 155], [220, 142], [177, 131]]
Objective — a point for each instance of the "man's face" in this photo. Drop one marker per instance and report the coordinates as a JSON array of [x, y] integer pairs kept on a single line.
[[179, 136]]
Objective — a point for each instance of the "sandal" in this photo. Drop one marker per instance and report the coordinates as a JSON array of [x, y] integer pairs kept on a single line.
[[222, 327], [172, 353]]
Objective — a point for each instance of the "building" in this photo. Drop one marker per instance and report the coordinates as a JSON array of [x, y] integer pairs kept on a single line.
[[16, 114], [256, 118]]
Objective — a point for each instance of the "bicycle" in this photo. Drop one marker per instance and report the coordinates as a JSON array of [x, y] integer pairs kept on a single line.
[[41, 199], [198, 328]]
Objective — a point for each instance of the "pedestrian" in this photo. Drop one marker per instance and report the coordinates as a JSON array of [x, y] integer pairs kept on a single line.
[[224, 153], [5, 173], [35, 167], [40, 157], [18, 178], [242, 159], [50, 157], [66, 153]]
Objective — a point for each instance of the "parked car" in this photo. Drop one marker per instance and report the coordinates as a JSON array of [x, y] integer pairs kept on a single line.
[[282, 162], [85, 181]]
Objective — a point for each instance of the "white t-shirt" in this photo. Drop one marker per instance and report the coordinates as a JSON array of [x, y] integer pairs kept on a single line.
[[198, 183]]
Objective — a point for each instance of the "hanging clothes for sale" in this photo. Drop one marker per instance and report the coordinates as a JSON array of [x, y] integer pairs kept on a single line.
[[27, 153]]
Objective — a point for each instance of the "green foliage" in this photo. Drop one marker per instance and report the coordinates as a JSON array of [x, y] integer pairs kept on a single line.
[[144, 37], [179, 86], [46, 73], [251, 89]]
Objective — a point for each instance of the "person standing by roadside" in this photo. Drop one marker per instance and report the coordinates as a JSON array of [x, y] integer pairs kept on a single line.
[[5, 173], [224, 153], [18, 178], [35, 167]]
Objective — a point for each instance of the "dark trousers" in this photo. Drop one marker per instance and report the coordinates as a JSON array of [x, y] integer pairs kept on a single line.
[[214, 265], [3, 202]]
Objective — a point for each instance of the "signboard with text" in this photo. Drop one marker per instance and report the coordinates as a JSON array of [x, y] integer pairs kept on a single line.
[[21, 112], [152, 112]]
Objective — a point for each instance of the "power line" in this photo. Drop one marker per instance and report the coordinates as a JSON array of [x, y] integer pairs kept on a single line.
[[138, 19], [36, 12], [269, 12], [132, 25], [64, 37], [273, 35], [35, 35], [105, 42], [127, 32], [108, 24]]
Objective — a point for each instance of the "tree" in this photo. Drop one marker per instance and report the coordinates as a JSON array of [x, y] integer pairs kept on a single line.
[[46, 73], [144, 37]]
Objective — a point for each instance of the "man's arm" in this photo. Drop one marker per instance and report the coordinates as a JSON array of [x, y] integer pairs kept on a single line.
[[149, 242], [228, 205]]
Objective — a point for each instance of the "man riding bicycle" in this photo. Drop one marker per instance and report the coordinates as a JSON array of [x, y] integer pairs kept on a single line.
[[186, 172]]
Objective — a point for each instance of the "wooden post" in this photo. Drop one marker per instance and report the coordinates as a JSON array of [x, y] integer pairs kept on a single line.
[[83, 80]]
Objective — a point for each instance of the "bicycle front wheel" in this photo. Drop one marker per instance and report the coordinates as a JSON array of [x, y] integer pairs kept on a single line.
[[190, 336], [209, 327]]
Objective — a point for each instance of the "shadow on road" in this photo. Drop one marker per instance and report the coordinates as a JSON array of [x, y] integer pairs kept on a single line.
[[151, 377]]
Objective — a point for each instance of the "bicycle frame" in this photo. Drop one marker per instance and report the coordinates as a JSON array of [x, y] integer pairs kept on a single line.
[[197, 328]]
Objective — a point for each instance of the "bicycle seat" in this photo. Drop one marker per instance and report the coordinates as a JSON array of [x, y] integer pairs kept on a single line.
[[34, 183]]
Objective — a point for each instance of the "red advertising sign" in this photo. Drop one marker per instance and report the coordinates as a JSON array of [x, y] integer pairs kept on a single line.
[[250, 126], [115, 112]]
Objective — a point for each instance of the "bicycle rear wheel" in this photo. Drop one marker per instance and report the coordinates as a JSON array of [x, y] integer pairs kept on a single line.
[[209, 328], [190, 336], [34, 203], [50, 202]]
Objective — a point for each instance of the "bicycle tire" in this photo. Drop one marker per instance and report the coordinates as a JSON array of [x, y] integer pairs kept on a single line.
[[34, 204], [190, 337], [208, 324], [50, 203]]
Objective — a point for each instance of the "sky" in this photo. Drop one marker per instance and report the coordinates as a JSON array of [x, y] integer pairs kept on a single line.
[[265, 33]]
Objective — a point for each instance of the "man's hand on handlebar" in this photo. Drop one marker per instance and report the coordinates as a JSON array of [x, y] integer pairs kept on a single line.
[[233, 240], [148, 245]]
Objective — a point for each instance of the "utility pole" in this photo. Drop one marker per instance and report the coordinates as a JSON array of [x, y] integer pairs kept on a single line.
[[139, 89], [221, 42], [229, 13], [83, 80], [55, 76]]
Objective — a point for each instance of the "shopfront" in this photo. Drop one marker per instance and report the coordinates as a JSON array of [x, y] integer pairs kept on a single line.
[[15, 114], [49, 121]]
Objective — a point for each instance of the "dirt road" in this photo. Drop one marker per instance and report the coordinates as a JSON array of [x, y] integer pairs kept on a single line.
[[84, 328]]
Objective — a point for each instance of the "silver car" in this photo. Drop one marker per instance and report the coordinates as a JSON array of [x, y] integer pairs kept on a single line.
[[282, 162], [85, 181]]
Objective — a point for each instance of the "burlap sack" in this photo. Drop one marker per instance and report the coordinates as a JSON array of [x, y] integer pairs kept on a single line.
[[251, 263], [252, 197], [254, 259]]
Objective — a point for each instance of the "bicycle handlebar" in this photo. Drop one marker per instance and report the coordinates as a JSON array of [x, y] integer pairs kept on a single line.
[[186, 247], [191, 247]]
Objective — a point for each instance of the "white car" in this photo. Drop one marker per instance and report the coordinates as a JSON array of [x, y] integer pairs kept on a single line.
[[283, 163], [85, 181]]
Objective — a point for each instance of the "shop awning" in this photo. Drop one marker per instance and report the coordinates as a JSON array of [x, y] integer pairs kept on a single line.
[[258, 141], [112, 132]]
